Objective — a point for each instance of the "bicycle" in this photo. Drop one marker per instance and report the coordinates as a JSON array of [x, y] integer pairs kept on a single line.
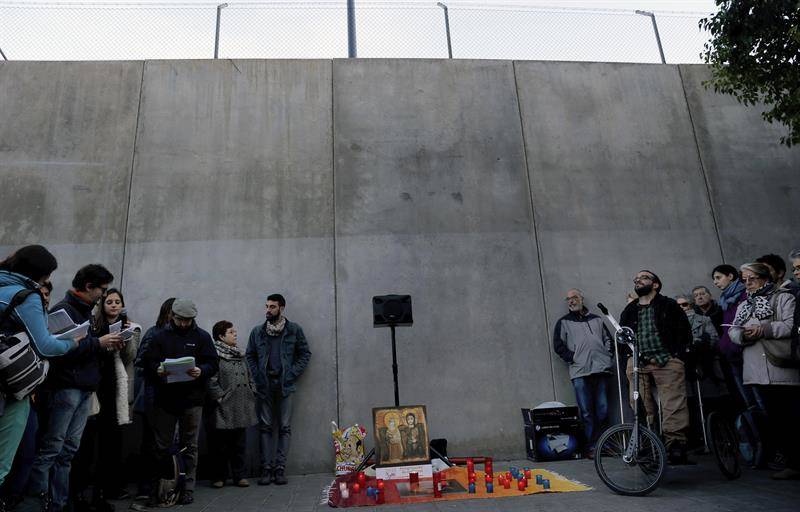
[[629, 458]]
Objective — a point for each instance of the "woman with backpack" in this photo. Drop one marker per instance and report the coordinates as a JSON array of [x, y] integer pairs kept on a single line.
[[23, 273], [762, 321]]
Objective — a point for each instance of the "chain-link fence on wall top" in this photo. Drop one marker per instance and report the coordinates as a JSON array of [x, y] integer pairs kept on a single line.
[[118, 31]]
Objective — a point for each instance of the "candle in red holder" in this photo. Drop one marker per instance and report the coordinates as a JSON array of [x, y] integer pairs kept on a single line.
[[380, 485], [508, 475], [356, 488], [437, 491], [380, 497], [506, 483], [521, 485], [470, 463], [527, 473], [501, 480], [362, 478], [488, 479], [413, 477]]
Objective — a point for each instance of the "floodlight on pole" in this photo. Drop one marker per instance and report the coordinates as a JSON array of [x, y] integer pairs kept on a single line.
[[447, 28], [655, 29], [216, 36]]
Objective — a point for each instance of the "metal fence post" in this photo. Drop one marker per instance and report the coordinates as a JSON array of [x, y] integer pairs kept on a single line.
[[216, 37], [655, 29], [447, 29], [351, 29]]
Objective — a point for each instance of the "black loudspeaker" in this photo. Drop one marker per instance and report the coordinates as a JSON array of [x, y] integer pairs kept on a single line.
[[389, 310]]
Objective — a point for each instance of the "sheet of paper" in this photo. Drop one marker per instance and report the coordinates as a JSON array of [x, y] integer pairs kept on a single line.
[[76, 332], [59, 322], [115, 327], [177, 369]]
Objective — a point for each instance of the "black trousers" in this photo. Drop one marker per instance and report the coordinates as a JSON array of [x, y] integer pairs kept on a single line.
[[783, 412], [226, 447]]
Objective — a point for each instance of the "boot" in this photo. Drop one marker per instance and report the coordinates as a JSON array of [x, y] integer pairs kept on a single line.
[[266, 477], [280, 478]]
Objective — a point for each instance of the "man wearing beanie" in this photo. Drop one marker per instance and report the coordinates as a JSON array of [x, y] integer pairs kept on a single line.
[[664, 334], [179, 402]]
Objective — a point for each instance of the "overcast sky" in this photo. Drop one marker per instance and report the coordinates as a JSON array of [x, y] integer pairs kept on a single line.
[[508, 29]]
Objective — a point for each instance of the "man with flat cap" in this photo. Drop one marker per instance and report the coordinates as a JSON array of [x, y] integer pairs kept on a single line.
[[179, 398]]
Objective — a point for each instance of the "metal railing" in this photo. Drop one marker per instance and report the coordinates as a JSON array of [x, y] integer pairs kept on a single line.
[[338, 29]]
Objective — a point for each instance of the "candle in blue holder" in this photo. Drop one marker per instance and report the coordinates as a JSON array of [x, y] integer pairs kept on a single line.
[[546, 483], [472, 488], [489, 488], [538, 479]]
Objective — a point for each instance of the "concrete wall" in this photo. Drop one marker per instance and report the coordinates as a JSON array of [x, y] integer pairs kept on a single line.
[[484, 189]]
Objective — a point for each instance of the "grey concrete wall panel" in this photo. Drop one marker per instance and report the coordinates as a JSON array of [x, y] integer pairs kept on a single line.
[[752, 178], [232, 199], [66, 143], [432, 200], [617, 184]]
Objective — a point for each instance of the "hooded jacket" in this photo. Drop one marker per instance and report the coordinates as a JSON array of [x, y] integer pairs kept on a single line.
[[583, 341]]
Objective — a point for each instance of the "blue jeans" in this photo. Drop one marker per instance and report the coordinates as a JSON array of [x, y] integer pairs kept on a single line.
[[591, 394], [17, 479], [274, 413], [68, 410]]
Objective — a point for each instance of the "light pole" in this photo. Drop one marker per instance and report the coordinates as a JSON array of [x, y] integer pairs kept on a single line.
[[216, 37], [351, 29], [655, 29], [447, 29]]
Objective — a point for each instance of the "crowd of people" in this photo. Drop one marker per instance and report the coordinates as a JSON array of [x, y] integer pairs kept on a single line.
[[748, 340], [63, 443]]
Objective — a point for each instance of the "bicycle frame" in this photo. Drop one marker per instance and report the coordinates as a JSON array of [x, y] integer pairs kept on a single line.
[[626, 336]]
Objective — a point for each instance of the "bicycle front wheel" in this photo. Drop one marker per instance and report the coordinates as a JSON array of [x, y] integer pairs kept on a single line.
[[638, 475], [725, 444]]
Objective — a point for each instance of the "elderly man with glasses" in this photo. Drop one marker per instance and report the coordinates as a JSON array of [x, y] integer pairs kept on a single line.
[[583, 342], [664, 334]]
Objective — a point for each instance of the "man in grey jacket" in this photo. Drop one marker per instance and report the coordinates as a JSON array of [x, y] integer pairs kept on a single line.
[[583, 341]]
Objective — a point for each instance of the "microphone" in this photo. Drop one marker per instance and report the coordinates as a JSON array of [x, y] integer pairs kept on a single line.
[[602, 308]]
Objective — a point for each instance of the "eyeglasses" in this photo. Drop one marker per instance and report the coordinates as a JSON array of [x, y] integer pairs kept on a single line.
[[571, 299], [638, 279]]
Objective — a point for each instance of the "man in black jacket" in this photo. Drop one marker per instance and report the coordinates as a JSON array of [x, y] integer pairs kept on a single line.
[[179, 398], [70, 383], [663, 334]]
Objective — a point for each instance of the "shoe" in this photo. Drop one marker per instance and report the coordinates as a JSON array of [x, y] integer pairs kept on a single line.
[[242, 482], [187, 498], [280, 478], [777, 463], [218, 484], [266, 477], [786, 474], [677, 455]]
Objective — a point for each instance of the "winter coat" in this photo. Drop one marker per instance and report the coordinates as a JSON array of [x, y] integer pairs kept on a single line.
[[233, 394], [294, 357], [583, 341], [757, 368], [672, 325], [171, 343], [80, 368], [116, 388]]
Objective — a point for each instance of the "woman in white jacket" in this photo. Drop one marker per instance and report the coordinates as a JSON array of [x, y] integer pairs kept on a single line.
[[767, 315], [115, 393]]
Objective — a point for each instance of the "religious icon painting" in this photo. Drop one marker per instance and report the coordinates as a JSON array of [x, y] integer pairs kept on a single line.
[[401, 435]]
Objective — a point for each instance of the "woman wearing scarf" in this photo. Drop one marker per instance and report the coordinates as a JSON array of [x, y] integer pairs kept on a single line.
[[726, 278], [232, 392], [767, 314]]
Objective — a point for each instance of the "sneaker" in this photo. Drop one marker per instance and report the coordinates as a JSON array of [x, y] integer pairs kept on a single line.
[[786, 474], [242, 482], [266, 477], [280, 478], [218, 484], [187, 498]]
